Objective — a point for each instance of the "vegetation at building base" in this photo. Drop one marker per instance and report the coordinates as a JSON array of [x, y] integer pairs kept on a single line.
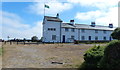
[[102, 58], [90, 42], [92, 58]]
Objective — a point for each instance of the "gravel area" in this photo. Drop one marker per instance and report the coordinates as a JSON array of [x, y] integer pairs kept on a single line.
[[42, 55]]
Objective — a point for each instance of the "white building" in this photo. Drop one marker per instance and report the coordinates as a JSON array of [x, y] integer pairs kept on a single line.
[[56, 31]]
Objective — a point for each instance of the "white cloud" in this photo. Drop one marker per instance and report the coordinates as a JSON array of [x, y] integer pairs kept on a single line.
[[110, 17], [31, 0], [55, 7], [17, 0], [101, 4], [89, 15], [100, 17], [106, 11], [12, 26], [13, 20]]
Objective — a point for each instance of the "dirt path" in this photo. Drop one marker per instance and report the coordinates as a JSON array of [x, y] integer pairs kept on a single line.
[[41, 56]]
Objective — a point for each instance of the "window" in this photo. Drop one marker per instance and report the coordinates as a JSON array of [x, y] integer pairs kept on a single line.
[[104, 31], [66, 29], [96, 38], [72, 37], [83, 30], [54, 29], [51, 29], [104, 38], [53, 37], [72, 29], [96, 31], [83, 37], [89, 37]]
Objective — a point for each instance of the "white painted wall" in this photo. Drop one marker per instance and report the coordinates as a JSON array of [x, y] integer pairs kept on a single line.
[[78, 34], [69, 34], [92, 33], [47, 35]]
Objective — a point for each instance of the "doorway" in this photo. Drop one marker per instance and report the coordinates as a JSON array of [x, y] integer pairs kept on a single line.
[[63, 39]]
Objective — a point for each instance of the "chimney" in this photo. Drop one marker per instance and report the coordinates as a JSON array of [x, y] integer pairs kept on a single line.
[[72, 22], [93, 24], [110, 25], [57, 15]]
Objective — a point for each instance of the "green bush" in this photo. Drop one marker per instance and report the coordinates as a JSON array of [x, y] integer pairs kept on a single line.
[[92, 58], [76, 42], [34, 39], [111, 59], [94, 53], [116, 34]]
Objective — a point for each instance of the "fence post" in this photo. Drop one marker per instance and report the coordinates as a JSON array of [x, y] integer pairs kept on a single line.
[[17, 42], [10, 43], [24, 42], [37, 42], [5, 42]]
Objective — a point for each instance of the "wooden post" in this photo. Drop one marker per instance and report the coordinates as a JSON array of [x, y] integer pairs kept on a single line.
[[10, 43], [17, 42], [24, 42], [5, 42], [37, 42]]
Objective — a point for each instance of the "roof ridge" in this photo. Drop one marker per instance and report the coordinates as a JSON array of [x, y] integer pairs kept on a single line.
[[87, 24]]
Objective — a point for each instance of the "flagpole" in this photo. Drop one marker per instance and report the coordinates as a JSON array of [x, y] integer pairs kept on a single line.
[[44, 9]]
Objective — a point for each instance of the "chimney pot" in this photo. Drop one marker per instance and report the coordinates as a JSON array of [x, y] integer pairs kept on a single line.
[[93, 24], [110, 25], [57, 15], [72, 22]]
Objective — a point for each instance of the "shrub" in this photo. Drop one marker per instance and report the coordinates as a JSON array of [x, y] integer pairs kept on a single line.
[[92, 58], [116, 34], [111, 59], [76, 42], [34, 39]]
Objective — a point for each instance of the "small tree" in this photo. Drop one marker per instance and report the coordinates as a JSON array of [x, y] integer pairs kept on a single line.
[[41, 39], [34, 38], [116, 34], [92, 58]]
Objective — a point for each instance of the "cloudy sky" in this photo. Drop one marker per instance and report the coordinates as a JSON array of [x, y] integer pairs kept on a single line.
[[24, 19]]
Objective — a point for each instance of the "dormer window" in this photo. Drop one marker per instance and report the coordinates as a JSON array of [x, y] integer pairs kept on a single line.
[[104, 31], [66, 29], [72, 29], [96, 31], [83, 30]]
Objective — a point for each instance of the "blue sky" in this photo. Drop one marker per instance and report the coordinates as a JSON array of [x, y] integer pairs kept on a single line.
[[21, 9], [24, 19]]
